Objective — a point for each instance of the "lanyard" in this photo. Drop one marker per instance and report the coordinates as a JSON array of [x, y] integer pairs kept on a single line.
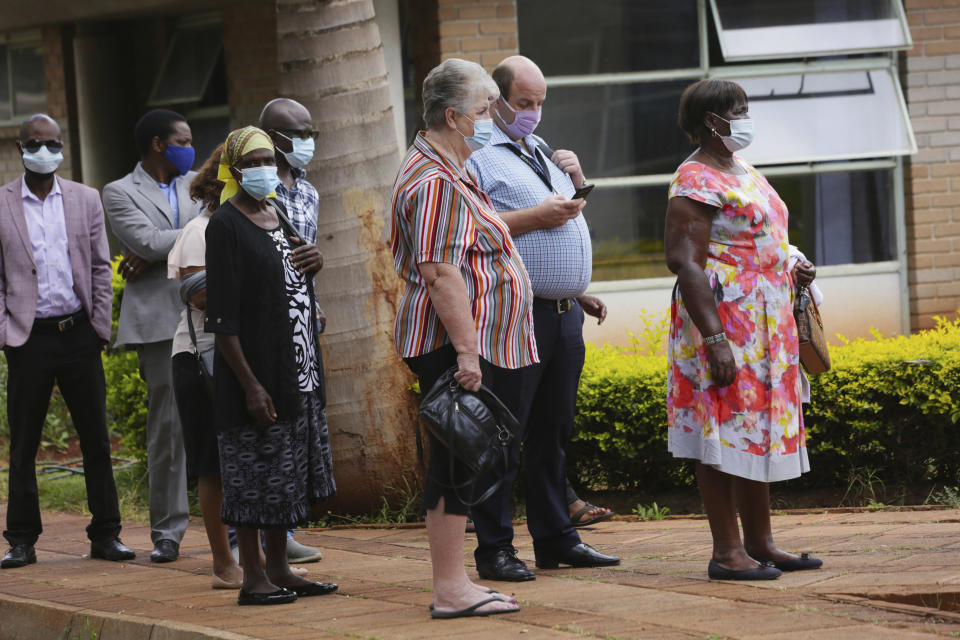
[[540, 167]]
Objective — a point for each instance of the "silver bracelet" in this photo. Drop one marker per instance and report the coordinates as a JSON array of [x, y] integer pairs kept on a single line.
[[715, 339]]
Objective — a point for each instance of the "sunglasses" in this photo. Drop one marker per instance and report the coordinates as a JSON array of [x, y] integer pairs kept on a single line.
[[303, 134], [32, 146]]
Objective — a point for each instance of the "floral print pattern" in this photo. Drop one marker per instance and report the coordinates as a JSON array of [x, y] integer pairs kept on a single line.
[[754, 427]]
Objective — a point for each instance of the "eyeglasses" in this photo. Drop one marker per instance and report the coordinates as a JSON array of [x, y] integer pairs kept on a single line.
[[32, 146], [303, 134]]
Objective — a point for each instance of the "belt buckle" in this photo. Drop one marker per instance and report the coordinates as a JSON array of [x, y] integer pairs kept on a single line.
[[65, 325], [563, 305]]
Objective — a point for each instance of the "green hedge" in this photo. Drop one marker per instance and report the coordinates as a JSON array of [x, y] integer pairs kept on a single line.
[[888, 408]]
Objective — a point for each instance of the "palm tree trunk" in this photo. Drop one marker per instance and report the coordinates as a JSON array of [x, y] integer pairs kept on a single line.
[[332, 61]]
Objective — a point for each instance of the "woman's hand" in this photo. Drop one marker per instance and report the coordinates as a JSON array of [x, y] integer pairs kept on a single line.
[[468, 371], [306, 258], [723, 366], [260, 405], [803, 274]]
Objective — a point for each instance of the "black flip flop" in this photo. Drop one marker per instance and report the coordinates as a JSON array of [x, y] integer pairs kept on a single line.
[[587, 507], [471, 611], [490, 591]]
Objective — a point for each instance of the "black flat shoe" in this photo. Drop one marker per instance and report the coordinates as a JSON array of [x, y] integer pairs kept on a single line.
[[766, 571], [112, 550], [165, 551], [314, 589], [505, 566], [578, 556], [280, 596], [802, 563], [20, 555]]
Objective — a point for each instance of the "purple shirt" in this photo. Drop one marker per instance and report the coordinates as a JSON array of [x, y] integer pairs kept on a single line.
[[48, 239]]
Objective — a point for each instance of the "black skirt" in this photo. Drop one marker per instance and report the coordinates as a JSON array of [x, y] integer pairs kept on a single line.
[[196, 417]]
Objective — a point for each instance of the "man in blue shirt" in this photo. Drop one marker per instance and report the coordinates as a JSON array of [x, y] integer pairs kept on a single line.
[[532, 187]]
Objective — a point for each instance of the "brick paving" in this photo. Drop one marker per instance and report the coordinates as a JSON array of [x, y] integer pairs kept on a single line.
[[882, 575]]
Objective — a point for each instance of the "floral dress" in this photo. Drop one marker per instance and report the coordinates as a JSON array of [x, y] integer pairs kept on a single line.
[[753, 428]]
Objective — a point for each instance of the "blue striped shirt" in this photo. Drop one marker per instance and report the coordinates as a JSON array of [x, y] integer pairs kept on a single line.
[[559, 260], [301, 202]]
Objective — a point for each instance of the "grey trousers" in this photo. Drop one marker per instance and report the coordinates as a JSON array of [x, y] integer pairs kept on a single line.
[[166, 458]]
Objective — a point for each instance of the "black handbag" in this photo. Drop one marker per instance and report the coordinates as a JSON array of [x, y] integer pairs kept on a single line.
[[476, 428]]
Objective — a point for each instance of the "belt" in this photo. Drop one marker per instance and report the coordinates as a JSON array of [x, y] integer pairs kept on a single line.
[[561, 306], [61, 323]]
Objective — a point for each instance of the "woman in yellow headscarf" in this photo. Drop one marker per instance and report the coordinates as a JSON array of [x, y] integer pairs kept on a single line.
[[274, 449]]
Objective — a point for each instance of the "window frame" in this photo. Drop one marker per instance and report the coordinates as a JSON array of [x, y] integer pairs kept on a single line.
[[189, 23], [898, 8], [31, 39]]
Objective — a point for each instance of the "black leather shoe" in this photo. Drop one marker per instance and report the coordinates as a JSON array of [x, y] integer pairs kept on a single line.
[[314, 589], [111, 549], [506, 566], [280, 596], [579, 555], [20, 555], [802, 563], [764, 571], [165, 551]]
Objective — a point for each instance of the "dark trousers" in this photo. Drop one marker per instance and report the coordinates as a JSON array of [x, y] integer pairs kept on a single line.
[[71, 359], [543, 397]]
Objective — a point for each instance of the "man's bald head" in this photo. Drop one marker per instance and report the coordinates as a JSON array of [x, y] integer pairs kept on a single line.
[[284, 113], [518, 70], [39, 126]]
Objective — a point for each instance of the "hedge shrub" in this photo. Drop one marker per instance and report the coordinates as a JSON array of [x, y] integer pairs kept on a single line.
[[889, 406]]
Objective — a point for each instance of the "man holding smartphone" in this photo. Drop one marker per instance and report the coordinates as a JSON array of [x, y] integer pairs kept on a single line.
[[534, 188]]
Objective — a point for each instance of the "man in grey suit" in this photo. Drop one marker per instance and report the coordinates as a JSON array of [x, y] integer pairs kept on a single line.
[[55, 301], [147, 208]]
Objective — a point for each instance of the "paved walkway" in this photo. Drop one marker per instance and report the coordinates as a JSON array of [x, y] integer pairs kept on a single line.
[[884, 576]]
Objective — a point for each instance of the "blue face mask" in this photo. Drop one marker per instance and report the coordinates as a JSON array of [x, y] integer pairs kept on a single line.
[[482, 130], [180, 157], [302, 153], [259, 182]]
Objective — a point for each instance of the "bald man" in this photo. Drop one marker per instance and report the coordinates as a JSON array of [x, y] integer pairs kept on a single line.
[[290, 126], [55, 302], [532, 187]]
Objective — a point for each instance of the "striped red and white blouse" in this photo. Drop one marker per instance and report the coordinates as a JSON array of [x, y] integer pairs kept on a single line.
[[440, 215]]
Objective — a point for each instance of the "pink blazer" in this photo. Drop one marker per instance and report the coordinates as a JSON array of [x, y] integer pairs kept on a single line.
[[89, 259]]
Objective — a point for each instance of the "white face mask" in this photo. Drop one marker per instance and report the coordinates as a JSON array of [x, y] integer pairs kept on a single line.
[[741, 133], [42, 161]]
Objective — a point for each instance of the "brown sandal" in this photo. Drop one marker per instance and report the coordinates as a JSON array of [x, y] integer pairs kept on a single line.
[[587, 508]]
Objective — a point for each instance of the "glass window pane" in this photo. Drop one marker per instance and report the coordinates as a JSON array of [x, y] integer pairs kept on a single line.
[[6, 111], [626, 226], [751, 29], [29, 82], [190, 60], [572, 37], [826, 116], [618, 130]]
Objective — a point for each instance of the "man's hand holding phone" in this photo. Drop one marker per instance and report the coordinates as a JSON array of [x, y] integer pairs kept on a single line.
[[556, 210]]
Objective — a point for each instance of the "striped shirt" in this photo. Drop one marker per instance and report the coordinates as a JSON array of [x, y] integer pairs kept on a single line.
[[441, 216], [559, 260], [301, 202]]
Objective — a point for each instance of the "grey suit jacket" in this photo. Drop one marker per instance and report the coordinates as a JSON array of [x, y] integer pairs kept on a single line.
[[89, 261], [141, 218]]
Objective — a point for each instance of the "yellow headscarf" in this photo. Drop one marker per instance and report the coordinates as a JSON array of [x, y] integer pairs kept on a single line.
[[239, 143]]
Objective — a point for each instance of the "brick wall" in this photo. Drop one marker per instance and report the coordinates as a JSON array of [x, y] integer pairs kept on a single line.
[[484, 31], [10, 164], [932, 84], [250, 51]]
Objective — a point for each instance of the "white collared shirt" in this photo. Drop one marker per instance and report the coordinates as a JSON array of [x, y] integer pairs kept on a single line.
[[48, 240]]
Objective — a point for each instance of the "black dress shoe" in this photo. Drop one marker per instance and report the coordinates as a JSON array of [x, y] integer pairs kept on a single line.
[[579, 555], [506, 566], [165, 551], [111, 549], [280, 596], [20, 555], [766, 571], [314, 589], [803, 563]]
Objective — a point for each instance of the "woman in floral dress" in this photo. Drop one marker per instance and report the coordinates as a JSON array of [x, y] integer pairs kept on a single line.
[[733, 399]]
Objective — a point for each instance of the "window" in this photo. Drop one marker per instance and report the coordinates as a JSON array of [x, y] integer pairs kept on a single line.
[[756, 29], [830, 130], [22, 81]]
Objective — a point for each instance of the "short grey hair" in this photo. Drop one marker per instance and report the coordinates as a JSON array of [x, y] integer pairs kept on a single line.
[[454, 83]]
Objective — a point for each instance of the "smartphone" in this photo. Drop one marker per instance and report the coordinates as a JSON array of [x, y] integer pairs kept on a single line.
[[583, 191]]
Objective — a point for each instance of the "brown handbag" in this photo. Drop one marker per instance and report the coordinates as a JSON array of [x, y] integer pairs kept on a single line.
[[814, 355]]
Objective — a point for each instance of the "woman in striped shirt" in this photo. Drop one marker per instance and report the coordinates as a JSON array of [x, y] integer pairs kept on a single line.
[[467, 298]]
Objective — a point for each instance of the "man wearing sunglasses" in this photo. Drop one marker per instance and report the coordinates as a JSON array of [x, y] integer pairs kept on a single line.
[[55, 301], [290, 126], [147, 209]]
